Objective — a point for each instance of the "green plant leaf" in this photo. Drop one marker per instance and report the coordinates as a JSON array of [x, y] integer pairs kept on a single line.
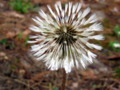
[[23, 6], [55, 89], [3, 41], [117, 30], [115, 45], [117, 72]]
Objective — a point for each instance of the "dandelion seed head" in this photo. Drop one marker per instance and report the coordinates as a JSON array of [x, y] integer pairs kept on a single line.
[[63, 36]]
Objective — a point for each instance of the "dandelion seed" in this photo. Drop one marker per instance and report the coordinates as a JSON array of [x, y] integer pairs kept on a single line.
[[64, 37]]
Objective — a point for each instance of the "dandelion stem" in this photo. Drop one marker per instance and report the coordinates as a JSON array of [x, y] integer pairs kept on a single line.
[[63, 80]]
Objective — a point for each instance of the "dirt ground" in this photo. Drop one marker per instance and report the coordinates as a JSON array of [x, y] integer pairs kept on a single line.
[[19, 71]]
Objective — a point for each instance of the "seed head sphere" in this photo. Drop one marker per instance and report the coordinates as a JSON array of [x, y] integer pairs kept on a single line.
[[63, 36]]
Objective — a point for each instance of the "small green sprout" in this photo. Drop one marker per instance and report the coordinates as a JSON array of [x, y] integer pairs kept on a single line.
[[7, 43], [3, 41], [23, 6], [26, 40], [117, 72], [20, 35], [55, 89], [117, 30], [115, 45]]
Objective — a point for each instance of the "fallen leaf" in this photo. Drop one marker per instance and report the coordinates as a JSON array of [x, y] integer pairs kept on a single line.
[[40, 75], [116, 57], [10, 34], [26, 33], [13, 13], [88, 74]]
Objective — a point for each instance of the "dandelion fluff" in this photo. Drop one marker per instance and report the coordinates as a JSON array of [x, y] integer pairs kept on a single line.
[[64, 36]]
